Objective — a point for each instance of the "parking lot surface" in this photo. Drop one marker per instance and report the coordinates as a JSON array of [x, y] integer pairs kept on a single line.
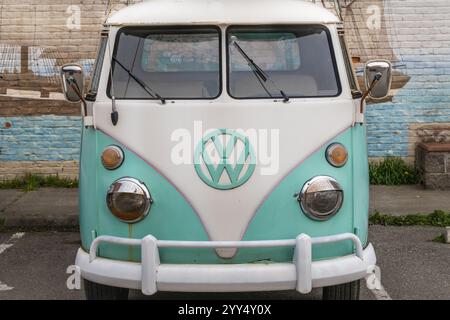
[[33, 266]]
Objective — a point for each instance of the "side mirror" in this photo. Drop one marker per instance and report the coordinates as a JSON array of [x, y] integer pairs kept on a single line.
[[73, 82], [378, 75]]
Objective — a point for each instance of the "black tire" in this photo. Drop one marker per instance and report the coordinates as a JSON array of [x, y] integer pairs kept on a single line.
[[346, 291], [96, 291]]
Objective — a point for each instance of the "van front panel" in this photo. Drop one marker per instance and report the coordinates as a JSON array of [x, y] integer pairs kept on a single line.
[[294, 136]]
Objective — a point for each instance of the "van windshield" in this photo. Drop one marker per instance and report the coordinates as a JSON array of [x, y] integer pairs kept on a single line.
[[174, 63], [299, 59]]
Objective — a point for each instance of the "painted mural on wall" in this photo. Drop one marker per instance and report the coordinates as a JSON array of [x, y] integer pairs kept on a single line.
[[416, 39], [35, 44], [33, 71]]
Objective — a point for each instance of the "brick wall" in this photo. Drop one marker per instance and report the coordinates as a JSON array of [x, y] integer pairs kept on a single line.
[[40, 138], [39, 131], [36, 37], [415, 35]]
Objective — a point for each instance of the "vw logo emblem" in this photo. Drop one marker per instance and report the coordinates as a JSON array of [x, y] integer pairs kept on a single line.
[[224, 159]]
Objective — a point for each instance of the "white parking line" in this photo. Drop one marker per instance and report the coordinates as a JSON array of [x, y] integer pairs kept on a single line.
[[373, 283], [8, 244], [5, 246], [381, 293], [5, 287], [17, 236]]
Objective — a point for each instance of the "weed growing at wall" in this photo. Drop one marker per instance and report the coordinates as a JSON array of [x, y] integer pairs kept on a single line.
[[439, 239], [392, 171], [31, 182], [435, 219]]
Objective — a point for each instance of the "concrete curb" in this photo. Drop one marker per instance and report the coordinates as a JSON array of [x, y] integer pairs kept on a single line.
[[44, 208], [408, 199], [41, 222]]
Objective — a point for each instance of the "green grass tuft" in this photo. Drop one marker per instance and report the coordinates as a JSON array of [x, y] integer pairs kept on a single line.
[[30, 182], [435, 219], [439, 239], [392, 171]]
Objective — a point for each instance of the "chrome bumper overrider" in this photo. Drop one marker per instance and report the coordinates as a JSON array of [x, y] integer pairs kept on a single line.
[[151, 276]]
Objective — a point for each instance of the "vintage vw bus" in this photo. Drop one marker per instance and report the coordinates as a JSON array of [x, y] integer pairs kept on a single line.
[[224, 150]]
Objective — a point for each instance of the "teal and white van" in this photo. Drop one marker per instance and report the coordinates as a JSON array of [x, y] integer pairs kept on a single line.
[[224, 150]]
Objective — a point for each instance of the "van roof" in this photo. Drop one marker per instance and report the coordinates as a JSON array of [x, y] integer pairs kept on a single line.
[[216, 12]]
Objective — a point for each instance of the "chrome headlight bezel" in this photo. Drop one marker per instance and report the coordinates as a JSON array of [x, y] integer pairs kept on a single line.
[[128, 185], [320, 184]]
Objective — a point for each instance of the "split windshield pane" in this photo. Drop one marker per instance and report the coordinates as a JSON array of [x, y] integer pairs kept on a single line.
[[176, 63], [297, 59]]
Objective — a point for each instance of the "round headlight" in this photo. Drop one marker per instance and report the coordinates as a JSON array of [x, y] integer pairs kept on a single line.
[[129, 199], [321, 198], [337, 155], [112, 157]]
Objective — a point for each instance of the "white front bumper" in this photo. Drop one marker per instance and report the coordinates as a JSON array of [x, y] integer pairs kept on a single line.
[[150, 276]]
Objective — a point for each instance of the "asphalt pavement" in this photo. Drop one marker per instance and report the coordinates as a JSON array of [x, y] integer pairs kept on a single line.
[[33, 266]]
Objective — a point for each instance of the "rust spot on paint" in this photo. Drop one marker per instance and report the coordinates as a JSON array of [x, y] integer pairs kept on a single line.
[[130, 248], [7, 125]]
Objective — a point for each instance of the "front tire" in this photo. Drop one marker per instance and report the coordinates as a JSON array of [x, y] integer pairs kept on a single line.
[[346, 291], [96, 291]]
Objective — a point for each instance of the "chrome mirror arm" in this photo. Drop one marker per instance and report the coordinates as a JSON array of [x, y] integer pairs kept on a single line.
[[375, 81], [74, 85]]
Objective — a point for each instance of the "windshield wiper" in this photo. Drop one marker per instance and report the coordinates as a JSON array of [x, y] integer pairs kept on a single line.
[[144, 86], [259, 73]]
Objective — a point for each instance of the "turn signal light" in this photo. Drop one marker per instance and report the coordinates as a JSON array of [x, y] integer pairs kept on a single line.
[[112, 157], [337, 155]]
